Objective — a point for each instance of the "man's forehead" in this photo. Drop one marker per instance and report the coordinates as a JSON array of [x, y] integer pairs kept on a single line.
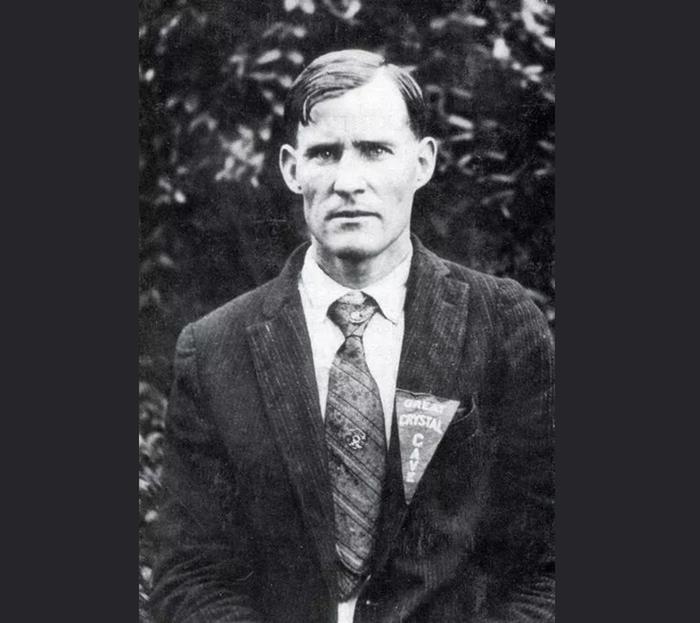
[[380, 98], [375, 107], [344, 130], [366, 119]]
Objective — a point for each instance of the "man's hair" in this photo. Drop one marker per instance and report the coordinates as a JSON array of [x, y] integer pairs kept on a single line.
[[333, 74]]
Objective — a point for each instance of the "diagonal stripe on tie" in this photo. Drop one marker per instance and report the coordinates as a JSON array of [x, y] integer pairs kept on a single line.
[[349, 468], [357, 375], [355, 419], [355, 441]]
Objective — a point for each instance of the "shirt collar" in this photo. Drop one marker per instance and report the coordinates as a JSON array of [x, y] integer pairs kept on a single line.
[[321, 290]]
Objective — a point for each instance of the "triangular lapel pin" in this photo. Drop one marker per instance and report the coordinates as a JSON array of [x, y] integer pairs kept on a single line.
[[422, 420]]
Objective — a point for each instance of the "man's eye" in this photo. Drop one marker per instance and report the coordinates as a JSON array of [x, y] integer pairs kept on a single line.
[[323, 155], [376, 151]]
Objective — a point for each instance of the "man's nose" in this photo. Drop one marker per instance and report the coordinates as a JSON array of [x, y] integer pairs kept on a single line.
[[349, 177]]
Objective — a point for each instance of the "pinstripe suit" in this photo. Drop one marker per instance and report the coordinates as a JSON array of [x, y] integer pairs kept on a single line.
[[246, 519]]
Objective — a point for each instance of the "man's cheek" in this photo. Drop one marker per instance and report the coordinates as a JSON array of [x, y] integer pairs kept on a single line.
[[311, 191]]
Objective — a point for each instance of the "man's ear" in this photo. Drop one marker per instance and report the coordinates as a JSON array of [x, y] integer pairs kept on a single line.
[[427, 155], [288, 166]]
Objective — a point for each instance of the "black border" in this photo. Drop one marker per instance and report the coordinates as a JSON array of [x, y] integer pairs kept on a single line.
[[71, 294], [71, 497], [621, 318]]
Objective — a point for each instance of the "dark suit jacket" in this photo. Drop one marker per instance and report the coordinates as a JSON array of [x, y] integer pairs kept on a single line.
[[246, 530]]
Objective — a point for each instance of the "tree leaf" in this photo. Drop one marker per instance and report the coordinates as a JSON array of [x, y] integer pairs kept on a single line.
[[269, 57]]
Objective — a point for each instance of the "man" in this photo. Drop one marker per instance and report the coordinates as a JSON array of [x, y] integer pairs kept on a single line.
[[367, 437]]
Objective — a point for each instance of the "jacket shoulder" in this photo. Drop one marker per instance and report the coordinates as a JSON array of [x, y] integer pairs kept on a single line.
[[232, 317], [504, 301], [495, 290]]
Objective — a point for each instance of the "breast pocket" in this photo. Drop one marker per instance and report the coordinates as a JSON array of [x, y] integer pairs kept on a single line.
[[463, 458], [466, 419]]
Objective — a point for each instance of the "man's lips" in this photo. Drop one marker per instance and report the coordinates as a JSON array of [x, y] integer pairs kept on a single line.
[[350, 214]]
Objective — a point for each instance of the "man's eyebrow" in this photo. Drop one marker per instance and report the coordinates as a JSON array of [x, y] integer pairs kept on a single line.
[[315, 148], [374, 143]]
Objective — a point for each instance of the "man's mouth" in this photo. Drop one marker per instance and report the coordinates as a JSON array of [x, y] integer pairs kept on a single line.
[[350, 214]]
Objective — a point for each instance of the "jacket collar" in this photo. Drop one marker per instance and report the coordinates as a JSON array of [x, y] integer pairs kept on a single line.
[[424, 265]]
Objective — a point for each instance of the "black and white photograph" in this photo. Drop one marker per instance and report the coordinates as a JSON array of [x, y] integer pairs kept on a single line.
[[346, 311]]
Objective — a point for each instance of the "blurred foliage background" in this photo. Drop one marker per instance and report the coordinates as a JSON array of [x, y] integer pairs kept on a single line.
[[214, 217]]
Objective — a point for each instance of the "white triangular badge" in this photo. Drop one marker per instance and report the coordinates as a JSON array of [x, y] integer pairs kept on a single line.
[[422, 420]]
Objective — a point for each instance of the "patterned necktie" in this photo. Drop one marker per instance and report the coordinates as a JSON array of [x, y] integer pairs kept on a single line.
[[355, 441]]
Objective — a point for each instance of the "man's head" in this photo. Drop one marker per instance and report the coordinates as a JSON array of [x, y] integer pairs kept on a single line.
[[357, 153]]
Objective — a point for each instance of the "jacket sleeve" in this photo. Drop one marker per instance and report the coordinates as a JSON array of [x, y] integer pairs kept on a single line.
[[204, 563], [524, 470]]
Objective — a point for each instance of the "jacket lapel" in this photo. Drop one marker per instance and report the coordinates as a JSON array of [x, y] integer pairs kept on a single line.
[[431, 355], [284, 366], [435, 327]]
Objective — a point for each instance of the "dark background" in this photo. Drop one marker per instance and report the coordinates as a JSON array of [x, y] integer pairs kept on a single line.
[[626, 359], [214, 217]]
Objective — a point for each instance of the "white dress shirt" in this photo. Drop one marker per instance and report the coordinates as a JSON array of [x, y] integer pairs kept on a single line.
[[382, 340]]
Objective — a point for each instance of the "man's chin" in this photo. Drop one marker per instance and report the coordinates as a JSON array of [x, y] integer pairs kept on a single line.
[[356, 247], [353, 254]]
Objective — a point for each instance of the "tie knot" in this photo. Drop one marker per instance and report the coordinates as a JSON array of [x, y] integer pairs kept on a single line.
[[352, 312]]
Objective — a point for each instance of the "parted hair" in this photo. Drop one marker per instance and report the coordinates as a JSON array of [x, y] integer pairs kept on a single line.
[[335, 73]]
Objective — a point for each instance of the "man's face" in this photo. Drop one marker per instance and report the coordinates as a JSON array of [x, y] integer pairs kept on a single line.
[[357, 165]]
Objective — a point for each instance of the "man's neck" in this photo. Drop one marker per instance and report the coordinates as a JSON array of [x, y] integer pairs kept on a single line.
[[358, 273]]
